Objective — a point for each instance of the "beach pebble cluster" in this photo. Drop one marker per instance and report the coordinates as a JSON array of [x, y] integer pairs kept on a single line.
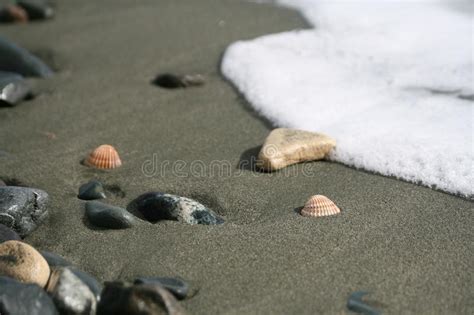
[[41, 282]]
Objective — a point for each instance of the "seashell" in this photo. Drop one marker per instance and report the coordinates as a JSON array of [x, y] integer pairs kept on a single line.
[[104, 157], [319, 206]]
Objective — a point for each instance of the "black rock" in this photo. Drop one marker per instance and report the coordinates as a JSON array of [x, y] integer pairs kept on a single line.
[[54, 260], [177, 286], [13, 88], [107, 216], [90, 281], [7, 234], [149, 204], [17, 298], [16, 59], [155, 206], [22, 208], [36, 9], [69, 293], [91, 190], [123, 298], [168, 81], [171, 81]]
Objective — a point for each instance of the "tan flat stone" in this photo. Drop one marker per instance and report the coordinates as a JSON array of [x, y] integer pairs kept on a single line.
[[22, 262], [285, 147]]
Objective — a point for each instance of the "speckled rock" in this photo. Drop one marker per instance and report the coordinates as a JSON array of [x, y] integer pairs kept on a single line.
[[107, 216], [284, 147], [177, 286], [7, 234], [143, 299], [18, 298], [90, 281], [13, 88], [22, 262], [22, 209], [157, 206], [91, 191], [19, 60], [70, 294]]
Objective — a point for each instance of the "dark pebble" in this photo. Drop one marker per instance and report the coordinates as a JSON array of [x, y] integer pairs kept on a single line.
[[356, 304], [155, 206], [177, 286], [54, 260], [17, 298], [124, 298], [22, 208], [91, 190], [36, 9], [7, 234], [16, 59], [90, 281], [168, 81], [13, 88], [70, 294], [107, 216]]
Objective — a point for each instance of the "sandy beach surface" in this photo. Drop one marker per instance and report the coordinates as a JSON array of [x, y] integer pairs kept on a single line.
[[409, 245]]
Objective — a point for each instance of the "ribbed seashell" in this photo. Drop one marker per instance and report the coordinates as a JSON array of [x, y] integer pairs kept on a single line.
[[319, 206], [104, 157]]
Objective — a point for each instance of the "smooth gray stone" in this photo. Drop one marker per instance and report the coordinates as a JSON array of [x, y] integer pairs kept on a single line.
[[155, 206], [107, 216], [91, 191], [90, 281], [54, 260], [13, 88], [70, 294], [22, 209], [13, 58], [17, 298], [123, 298], [177, 286], [7, 234]]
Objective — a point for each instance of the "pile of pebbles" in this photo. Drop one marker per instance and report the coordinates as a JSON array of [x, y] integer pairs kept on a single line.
[[41, 282]]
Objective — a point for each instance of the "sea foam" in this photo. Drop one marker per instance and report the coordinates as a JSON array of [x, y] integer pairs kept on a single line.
[[391, 81]]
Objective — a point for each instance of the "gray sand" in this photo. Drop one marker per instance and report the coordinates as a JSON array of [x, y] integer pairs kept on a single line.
[[410, 246]]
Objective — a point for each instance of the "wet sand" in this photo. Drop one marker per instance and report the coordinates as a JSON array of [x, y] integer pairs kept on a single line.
[[409, 245]]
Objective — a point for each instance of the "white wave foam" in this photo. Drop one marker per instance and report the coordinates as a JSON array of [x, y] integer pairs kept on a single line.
[[389, 80]]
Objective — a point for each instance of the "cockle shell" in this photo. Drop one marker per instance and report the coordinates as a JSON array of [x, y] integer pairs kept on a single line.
[[104, 157], [319, 206]]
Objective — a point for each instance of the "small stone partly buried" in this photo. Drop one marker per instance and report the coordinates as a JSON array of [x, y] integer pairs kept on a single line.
[[91, 191], [171, 81], [155, 206], [18, 298], [36, 9], [107, 216]]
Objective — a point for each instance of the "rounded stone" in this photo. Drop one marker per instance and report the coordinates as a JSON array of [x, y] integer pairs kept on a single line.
[[22, 262], [107, 216], [91, 191], [7, 234]]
